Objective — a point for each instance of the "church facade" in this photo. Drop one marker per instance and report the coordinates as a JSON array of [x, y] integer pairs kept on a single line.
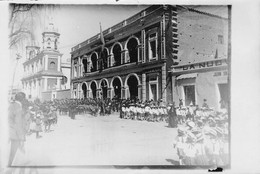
[[42, 68], [151, 55]]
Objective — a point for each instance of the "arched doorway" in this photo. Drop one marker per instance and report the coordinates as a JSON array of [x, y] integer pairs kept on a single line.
[[117, 55], [132, 83], [84, 89], [117, 87], [132, 49], [93, 87], [104, 87]]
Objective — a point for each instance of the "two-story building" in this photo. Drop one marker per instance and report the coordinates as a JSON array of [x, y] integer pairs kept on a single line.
[[151, 56]]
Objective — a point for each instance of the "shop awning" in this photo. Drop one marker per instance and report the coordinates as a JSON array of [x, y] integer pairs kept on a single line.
[[187, 76]]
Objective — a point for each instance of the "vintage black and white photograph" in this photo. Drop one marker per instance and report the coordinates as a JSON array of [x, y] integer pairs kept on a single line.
[[127, 86]]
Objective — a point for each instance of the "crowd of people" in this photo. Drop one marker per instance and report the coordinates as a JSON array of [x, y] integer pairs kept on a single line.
[[95, 107], [202, 132], [26, 118], [203, 136]]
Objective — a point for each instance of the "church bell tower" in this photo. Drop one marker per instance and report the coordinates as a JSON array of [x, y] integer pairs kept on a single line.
[[50, 38]]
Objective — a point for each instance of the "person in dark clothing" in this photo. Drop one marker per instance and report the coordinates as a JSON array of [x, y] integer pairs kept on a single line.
[[205, 105], [172, 116], [180, 103]]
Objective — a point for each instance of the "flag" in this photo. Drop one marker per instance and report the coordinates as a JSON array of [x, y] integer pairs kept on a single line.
[[216, 54], [102, 38]]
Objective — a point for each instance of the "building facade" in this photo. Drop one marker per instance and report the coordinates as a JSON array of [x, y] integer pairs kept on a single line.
[[42, 68], [143, 56]]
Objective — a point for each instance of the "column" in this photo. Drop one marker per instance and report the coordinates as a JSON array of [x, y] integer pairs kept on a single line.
[[90, 94], [45, 83], [140, 53], [30, 92], [37, 89], [127, 93], [164, 89], [163, 49], [127, 57], [112, 92], [144, 45], [58, 83], [46, 62], [123, 92], [79, 67], [88, 66], [140, 91], [59, 63], [109, 61], [123, 57], [112, 60], [98, 93], [143, 86], [109, 95], [78, 90]]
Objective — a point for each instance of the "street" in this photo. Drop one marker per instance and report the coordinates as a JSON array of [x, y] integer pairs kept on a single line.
[[103, 140]]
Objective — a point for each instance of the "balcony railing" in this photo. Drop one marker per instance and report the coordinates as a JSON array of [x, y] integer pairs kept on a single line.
[[109, 68]]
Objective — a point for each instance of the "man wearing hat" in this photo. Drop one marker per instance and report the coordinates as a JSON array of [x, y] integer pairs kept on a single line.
[[17, 125]]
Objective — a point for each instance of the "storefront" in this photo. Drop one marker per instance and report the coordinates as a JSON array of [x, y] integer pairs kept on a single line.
[[203, 80]]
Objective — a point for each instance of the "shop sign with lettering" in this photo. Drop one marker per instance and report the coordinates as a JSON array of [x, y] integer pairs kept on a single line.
[[201, 65]]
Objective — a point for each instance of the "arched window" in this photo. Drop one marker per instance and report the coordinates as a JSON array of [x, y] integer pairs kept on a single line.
[[132, 49], [117, 55], [93, 64], [52, 66], [84, 89], [85, 65], [105, 58]]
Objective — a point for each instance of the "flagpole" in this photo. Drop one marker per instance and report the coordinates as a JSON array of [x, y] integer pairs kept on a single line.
[[102, 46]]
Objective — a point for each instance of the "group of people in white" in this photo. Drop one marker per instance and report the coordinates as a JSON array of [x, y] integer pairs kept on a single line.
[[144, 112], [203, 139], [202, 132]]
